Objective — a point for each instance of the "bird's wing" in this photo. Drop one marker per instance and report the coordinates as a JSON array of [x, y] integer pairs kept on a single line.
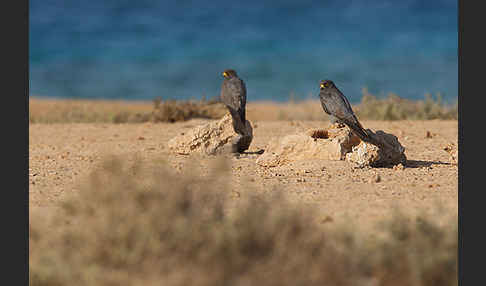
[[343, 111], [339, 106], [323, 103], [344, 99], [233, 94]]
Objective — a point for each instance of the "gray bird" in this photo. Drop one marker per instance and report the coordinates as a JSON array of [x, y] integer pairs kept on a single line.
[[337, 106], [233, 95]]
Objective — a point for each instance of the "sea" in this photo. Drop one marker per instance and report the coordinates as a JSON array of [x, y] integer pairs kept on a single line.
[[140, 50]]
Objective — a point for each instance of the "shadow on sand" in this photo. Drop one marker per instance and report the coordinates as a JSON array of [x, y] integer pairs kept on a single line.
[[421, 164]]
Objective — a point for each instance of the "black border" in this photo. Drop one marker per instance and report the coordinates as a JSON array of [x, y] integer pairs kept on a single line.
[[15, 143], [471, 110]]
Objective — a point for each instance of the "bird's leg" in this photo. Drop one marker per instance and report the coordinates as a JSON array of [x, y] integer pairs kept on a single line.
[[335, 123]]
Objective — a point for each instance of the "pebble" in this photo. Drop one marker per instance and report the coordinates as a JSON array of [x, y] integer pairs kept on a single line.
[[376, 178]]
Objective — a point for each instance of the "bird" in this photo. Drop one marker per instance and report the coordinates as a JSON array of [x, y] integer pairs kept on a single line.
[[337, 106], [233, 95]]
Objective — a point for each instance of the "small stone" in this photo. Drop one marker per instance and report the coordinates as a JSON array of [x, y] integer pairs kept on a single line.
[[376, 178], [327, 219], [452, 149]]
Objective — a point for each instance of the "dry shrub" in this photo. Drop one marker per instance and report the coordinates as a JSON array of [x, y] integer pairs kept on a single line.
[[93, 111], [134, 224], [173, 110], [371, 107], [394, 107]]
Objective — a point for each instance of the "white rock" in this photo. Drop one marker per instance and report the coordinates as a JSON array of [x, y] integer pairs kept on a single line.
[[390, 153], [313, 144], [211, 138], [333, 144]]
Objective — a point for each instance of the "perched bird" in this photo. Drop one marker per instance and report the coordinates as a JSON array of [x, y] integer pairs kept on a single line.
[[233, 95], [337, 106]]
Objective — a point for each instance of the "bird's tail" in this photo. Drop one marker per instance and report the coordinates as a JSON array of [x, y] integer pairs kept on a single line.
[[362, 133], [242, 115], [238, 123]]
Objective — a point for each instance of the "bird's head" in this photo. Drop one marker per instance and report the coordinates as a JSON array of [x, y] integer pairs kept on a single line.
[[227, 74], [326, 84]]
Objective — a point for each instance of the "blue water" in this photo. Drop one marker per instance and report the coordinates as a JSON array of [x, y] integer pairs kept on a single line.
[[127, 49]]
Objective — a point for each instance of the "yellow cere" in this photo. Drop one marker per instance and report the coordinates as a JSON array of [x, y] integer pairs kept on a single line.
[[322, 85], [225, 74]]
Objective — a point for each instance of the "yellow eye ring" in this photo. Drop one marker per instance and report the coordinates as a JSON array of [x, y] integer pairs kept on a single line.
[[325, 84]]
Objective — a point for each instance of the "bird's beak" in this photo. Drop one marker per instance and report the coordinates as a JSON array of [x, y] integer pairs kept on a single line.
[[322, 85], [225, 74]]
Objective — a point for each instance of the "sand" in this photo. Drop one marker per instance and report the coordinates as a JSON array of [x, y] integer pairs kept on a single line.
[[61, 157]]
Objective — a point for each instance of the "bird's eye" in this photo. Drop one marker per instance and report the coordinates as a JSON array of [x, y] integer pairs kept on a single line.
[[326, 84]]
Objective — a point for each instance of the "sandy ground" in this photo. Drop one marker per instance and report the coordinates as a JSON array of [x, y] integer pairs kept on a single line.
[[62, 155]]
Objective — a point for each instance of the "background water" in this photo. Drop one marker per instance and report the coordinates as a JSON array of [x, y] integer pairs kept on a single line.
[[141, 49]]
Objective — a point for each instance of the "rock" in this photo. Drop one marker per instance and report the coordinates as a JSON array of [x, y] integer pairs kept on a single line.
[[212, 138], [453, 151], [398, 167], [390, 151], [332, 144]]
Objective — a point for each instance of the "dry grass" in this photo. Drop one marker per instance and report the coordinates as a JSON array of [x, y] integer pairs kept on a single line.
[[134, 224], [371, 108], [394, 107], [92, 111], [85, 111]]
